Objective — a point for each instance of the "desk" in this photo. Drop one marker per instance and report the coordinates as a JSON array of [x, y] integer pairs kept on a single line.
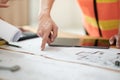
[[57, 63]]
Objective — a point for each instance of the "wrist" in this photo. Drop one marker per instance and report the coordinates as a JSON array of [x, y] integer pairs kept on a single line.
[[45, 12]]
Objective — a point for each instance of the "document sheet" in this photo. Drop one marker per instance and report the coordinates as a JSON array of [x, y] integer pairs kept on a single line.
[[9, 32]]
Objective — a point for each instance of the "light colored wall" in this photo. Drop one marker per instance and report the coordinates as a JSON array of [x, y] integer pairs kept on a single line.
[[34, 6], [16, 13], [66, 14]]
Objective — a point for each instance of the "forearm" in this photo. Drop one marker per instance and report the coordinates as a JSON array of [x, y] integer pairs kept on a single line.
[[3, 3], [46, 6]]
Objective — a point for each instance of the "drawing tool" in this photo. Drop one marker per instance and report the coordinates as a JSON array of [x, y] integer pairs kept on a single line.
[[3, 42]]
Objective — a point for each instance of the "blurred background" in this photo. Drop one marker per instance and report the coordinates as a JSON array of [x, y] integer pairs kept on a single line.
[[66, 14]]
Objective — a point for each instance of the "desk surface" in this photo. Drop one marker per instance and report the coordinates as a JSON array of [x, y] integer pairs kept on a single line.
[[58, 63]]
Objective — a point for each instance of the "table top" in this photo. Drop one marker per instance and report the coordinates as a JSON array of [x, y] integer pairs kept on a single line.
[[58, 63]]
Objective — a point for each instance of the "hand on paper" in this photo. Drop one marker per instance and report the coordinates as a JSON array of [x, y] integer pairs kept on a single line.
[[47, 29], [116, 39]]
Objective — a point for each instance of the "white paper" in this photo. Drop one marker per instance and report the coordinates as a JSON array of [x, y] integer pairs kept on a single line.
[[78, 55], [9, 32], [39, 68]]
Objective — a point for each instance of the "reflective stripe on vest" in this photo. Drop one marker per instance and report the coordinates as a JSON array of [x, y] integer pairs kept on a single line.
[[105, 20]]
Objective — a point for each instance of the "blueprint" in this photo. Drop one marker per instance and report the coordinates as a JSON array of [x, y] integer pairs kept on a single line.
[[100, 58]]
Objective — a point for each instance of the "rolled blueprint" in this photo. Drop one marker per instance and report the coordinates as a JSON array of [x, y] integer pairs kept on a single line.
[[9, 32]]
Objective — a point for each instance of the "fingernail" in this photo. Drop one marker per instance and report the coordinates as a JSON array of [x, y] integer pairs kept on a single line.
[[111, 42], [41, 49]]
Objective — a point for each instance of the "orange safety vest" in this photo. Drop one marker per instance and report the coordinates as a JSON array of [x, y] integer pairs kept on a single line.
[[101, 17]]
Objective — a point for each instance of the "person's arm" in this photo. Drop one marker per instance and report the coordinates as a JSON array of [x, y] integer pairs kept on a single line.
[[46, 6], [3, 3], [116, 38], [47, 28]]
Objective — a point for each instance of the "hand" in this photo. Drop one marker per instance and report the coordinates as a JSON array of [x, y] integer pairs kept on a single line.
[[47, 30], [115, 38], [3, 3]]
